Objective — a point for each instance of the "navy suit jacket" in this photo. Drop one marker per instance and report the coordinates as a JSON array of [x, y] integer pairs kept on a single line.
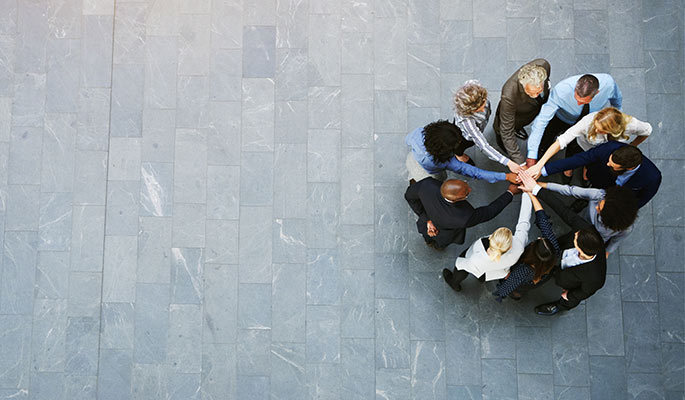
[[644, 183]]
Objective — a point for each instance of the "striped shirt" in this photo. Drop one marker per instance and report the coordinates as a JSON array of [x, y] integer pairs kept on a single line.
[[472, 128]]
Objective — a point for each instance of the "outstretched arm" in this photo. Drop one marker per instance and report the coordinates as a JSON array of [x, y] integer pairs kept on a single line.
[[465, 169], [575, 191], [577, 160], [556, 203]]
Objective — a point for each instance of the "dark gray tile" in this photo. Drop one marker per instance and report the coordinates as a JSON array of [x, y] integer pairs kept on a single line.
[[47, 385], [668, 210], [185, 332], [152, 323], [114, 374], [523, 38], [570, 350], [591, 31], [288, 375], [220, 301], [668, 251], [560, 53], [638, 278], [391, 220], [608, 377], [499, 379], [625, 34], [428, 369], [533, 350], [324, 282], [426, 306], [641, 334], [572, 392], [187, 268], [462, 342], [149, 380], [641, 240], [253, 387], [355, 246], [289, 296], [259, 48], [535, 386], [665, 118], [671, 309], [585, 63], [645, 386], [632, 84], [464, 392], [604, 320], [490, 61], [358, 304], [393, 383], [672, 367], [391, 276], [184, 386], [255, 250], [663, 26], [392, 334]]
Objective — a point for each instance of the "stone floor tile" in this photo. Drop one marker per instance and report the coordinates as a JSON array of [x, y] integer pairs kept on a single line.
[[641, 335], [428, 369], [357, 368], [358, 304], [532, 386], [288, 370], [392, 334], [324, 281], [393, 383], [254, 352], [323, 334], [220, 304], [499, 379], [426, 306], [608, 377], [289, 297], [603, 311]]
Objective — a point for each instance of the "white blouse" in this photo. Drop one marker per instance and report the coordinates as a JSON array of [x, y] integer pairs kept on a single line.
[[477, 261], [580, 131]]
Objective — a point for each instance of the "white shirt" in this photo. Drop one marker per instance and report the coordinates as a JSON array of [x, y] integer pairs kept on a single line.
[[571, 258], [580, 131]]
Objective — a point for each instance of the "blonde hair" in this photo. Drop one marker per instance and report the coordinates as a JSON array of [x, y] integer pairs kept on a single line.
[[612, 121], [531, 74], [469, 98], [500, 243]]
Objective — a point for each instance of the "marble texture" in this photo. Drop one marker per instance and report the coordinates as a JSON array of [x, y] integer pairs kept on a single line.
[[204, 200]]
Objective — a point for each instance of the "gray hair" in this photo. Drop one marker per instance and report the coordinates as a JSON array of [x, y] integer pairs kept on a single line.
[[470, 97], [533, 75]]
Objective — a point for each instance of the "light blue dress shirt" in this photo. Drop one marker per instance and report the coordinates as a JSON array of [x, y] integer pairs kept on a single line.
[[571, 258], [623, 178], [562, 102], [415, 141]]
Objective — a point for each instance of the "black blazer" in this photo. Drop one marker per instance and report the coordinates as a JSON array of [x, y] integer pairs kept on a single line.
[[645, 183], [581, 281], [451, 219]]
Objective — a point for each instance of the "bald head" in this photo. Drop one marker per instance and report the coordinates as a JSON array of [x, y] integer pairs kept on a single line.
[[455, 190]]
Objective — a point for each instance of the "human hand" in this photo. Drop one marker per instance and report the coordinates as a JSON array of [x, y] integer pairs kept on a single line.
[[535, 171], [528, 183], [513, 167], [530, 162], [607, 255], [513, 178], [514, 189], [564, 295], [432, 230]]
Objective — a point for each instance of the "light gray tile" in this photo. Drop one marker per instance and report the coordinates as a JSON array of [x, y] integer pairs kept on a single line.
[[7, 43], [668, 251], [123, 201], [93, 119], [62, 79], [325, 52], [291, 74], [357, 16], [24, 166], [188, 225], [32, 32], [227, 24], [127, 100], [225, 75], [255, 244], [219, 371], [391, 220], [129, 33], [291, 122], [253, 387], [625, 34], [87, 233], [663, 26], [222, 241], [185, 332], [260, 12], [96, 51], [52, 275], [357, 368], [119, 273], [152, 323], [671, 285], [5, 118], [556, 19], [591, 32], [604, 311], [569, 345], [124, 159], [289, 236], [356, 111], [192, 102], [390, 55], [184, 386], [254, 306], [253, 351], [391, 276], [357, 53], [291, 23], [156, 189], [323, 155], [638, 278], [288, 371], [499, 379], [392, 334], [428, 369], [193, 44], [668, 210], [223, 133], [426, 306], [23, 208], [323, 205], [663, 74], [190, 166], [390, 111], [47, 385], [673, 367], [220, 321], [523, 38], [290, 181], [114, 374], [533, 350], [423, 72], [394, 383], [489, 19], [288, 295], [98, 7], [456, 46], [223, 196], [48, 335], [462, 340], [641, 335], [324, 107], [663, 115], [154, 254], [324, 283], [256, 184], [258, 115], [631, 81], [355, 245], [9, 17], [391, 8], [15, 331], [161, 61], [82, 346], [90, 177], [54, 222], [490, 62], [259, 51], [195, 7], [80, 387], [187, 268], [84, 294], [323, 334], [117, 325], [608, 377], [356, 187], [59, 140], [358, 304]]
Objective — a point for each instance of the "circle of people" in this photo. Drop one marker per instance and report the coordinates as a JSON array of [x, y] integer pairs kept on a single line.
[[581, 114]]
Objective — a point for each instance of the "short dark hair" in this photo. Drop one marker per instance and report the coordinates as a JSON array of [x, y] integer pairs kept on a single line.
[[620, 208], [587, 85], [627, 156], [590, 242], [540, 255], [441, 139]]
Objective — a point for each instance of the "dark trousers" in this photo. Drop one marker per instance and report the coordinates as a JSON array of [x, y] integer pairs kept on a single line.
[[458, 276], [554, 128]]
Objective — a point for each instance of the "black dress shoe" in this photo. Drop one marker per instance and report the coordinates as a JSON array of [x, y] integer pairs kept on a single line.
[[447, 274], [547, 309]]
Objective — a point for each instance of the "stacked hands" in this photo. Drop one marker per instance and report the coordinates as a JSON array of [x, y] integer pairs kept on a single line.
[[527, 176]]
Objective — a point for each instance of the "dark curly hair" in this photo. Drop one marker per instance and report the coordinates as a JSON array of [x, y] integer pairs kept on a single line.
[[441, 139], [620, 208]]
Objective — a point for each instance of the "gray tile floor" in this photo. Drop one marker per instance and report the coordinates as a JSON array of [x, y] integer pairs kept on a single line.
[[202, 199]]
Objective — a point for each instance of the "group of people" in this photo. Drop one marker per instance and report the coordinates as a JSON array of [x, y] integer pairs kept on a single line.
[[581, 114]]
